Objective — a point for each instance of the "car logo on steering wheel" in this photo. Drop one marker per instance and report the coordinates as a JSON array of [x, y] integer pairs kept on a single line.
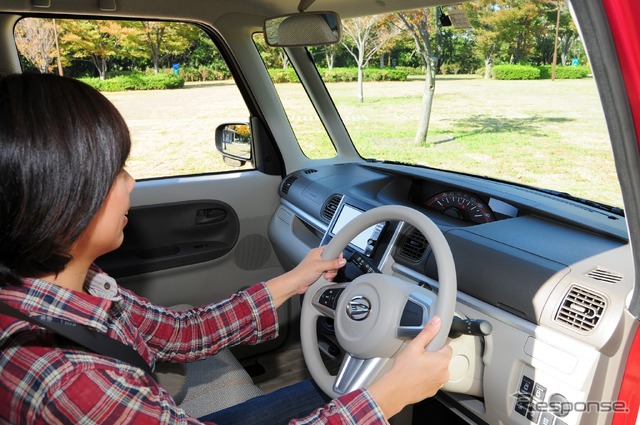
[[358, 308]]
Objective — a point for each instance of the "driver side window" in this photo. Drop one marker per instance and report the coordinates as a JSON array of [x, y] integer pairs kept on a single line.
[[167, 79]]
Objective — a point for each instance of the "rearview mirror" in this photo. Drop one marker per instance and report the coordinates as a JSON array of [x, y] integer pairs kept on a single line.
[[303, 29]]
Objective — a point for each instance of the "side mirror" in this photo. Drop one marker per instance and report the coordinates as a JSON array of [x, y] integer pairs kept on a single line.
[[234, 141], [303, 29]]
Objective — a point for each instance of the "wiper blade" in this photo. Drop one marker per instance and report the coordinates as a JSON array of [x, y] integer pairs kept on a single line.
[[614, 210]]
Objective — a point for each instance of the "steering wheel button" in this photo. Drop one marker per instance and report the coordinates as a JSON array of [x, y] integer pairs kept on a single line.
[[329, 298], [412, 314]]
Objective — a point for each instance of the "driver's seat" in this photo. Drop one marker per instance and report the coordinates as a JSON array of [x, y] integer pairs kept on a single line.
[[208, 385]]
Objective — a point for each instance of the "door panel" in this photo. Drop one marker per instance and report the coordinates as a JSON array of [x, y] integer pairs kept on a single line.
[[164, 236], [163, 215]]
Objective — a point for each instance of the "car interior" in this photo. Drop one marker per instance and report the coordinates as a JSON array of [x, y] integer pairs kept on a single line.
[[536, 286]]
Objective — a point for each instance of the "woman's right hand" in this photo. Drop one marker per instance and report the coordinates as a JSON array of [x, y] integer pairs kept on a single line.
[[415, 375]]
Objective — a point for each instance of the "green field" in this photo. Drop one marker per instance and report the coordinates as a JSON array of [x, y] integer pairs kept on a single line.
[[543, 133]]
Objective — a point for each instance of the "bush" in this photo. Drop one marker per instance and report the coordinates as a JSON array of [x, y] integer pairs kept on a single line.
[[564, 72], [283, 75], [385, 74], [449, 69], [571, 72], [515, 72], [204, 73], [410, 70], [339, 75], [136, 82], [545, 71]]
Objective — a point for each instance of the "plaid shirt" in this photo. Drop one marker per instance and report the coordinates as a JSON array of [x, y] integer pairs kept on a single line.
[[43, 379]]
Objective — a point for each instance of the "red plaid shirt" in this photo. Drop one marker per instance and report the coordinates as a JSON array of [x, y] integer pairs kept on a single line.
[[45, 380]]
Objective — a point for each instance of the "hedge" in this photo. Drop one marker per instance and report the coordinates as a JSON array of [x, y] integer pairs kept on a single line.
[[338, 75], [570, 72], [204, 73], [515, 72], [136, 82], [525, 72]]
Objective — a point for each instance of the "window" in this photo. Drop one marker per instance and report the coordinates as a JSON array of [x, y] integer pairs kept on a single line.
[[309, 130], [495, 111], [173, 97]]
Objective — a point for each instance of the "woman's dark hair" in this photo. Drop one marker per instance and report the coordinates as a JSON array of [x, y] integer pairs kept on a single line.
[[62, 144]]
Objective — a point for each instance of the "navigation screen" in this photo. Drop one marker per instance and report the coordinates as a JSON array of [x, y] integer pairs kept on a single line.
[[347, 214]]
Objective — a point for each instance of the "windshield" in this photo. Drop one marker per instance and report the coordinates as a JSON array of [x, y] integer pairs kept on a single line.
[[483, 100]]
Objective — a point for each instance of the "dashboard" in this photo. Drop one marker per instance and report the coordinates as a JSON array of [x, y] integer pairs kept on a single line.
[[551, 276]]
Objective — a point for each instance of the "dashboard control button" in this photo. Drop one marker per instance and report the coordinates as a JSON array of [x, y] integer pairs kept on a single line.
[[533, 415], [546, 419], [526, 385], [522, 404], [559, 405], [539, 392]]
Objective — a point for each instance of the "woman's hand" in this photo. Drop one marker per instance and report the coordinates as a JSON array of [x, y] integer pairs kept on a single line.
[[296, 281], [415, 375]]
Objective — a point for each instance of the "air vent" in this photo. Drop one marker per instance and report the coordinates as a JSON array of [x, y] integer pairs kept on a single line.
[[286, 184], [310, 171], [604, 275], [581, 309], [414, 246], [329, 208]]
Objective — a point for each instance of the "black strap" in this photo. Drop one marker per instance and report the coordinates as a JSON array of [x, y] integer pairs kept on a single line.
[[85, 337]]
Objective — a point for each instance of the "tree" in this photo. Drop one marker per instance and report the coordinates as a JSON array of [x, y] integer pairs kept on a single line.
[[520, 24], [273, 57], [419, 22], [330, 54], [95, 40], [484, 18], [364, 37], [163, 39], [567, 33], [36, 41]]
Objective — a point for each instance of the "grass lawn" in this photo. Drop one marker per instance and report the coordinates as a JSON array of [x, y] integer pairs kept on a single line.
[[542, 133]]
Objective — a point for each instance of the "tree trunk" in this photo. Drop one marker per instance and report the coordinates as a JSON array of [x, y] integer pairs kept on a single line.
[[360, 84], [488, 64], [156, 59], [565, 46], [59, 61], [427, 102], [329, 56], [102, 67]]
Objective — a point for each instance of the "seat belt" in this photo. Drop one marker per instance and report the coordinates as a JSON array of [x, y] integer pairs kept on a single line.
[[85, 337]]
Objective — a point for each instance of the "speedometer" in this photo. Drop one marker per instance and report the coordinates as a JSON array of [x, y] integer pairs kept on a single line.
[[461, 205]]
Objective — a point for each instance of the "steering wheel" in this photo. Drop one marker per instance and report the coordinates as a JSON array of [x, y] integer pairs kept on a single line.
[[375, 314]]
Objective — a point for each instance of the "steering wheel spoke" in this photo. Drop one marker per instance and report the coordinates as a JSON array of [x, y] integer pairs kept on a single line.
[[356, 373]]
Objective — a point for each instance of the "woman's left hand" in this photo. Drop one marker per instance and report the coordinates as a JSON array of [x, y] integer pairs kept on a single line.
[[313, 266], [296, 281]]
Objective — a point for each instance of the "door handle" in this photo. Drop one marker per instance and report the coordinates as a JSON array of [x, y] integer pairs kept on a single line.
[[210, 215]]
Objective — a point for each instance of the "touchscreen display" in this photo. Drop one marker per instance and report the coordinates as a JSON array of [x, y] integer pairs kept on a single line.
[[347, 214]]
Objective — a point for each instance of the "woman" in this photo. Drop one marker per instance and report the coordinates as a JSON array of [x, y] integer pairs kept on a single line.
[[65, 197]]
